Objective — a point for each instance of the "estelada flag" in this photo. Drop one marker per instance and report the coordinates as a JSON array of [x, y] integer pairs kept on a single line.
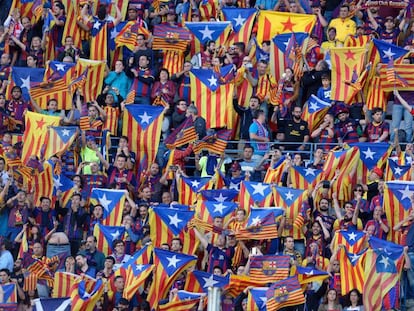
[[113, 202], [394, 171], [94, 79], [84, 299], [60, 139], [242, 21], [254, 194], [271, 23], [35, 134], [404, 71], [345, 61], [213, 99], [351, 267]]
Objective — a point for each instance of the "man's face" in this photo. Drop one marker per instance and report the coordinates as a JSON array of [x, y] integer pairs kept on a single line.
[[90, 243], [253, 103], [218, 222], [343, 12], [290, 244], [37, 249], [377, 116], [45, 205], [120, 162], [119, 284], [143, 62], [247, 153], [297, 113], [175, 246], [80, 261], [154, 169]]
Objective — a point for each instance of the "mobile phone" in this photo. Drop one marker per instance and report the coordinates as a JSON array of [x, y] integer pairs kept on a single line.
[[254, 250], [174, 167]]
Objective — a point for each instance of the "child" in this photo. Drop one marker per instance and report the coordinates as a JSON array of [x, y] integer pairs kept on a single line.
[[324, 92]]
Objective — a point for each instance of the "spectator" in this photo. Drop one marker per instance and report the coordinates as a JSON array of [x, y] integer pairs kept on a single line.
[[344, 25]]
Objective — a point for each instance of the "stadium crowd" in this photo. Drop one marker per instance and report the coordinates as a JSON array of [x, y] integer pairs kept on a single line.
[[288, 216]]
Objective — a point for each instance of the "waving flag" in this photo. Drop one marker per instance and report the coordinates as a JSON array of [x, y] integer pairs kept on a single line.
[[106, 235], [56, 70], [113, 202], [99, 32], [129, 33], [168, 265], [208, 31], [219, 195], [64, 281], [60, 138], [383, 268], [208, 210], [136, 275], [394, 171], [189, 187], [261, 224], [274, 174], [65, 185], [314, 111], [284, 293], [256, 300], [309, 274], [403, 72], [184, 134], [94, 79], [24, 77], [269, 268], [180, 305], [371, 156], [304, 178], [280, 47], [9, 294], [42, 182], [143, 125], [35, 134], [353, 241], [169, 223], [61, 304], [242, 21], [271, 23], [215, 143], [345, 61], [397, 204], [388, 51], [71, 27], [351, 267], [83, 300], [213, 99], [255, 194], [291, 200], [205, 280]]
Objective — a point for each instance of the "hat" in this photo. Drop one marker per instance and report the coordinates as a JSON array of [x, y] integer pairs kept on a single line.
[[377, 171], [235, 167], [90, 137], [342, 110]]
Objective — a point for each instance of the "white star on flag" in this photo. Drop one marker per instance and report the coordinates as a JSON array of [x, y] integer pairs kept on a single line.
[[25, 83], [60, 67], [256, 221], [309, 273], [289, 196], [369, 154], [209, 282], [115, 235], [239, 20], [195, 184], [206, 33], [174, 220], [172, 261], [56, 182], [212, 80], [352, 236], [65, 132], [145, 118], [355, 257], [219, 208], [310, 171], [313, 106], [139, 267], [406, 193], [220, 198], [259, 188], [114, 33], [397, 171], [96, 25], [388, 53], [384, 260], [105, 202]]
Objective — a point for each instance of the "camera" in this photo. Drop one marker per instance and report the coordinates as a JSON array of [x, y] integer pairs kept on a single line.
[[249, 65], [326, 184], [174, 167]]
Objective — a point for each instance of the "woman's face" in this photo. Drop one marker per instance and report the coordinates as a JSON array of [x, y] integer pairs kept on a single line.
[[331, 295], [353, 297], [70, 261], [163, 75]]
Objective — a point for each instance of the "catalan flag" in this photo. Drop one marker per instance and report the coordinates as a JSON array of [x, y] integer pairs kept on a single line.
[[41, 92], [63, 282], [284, 293], [256, 299], [200, 281], [9, 294], [371, 155], [24, 77], [71, 27], [375, 95], [24, 246], [142, 123], [261, 225], [84, 300], [309, 274], [42, 183], [168, 265], [136, 275], [35, 134], [242, 21], [128, 35], [314, 111], [404, 72], [394, 171], [304, 178], [255, 194], [397, 204], [42, 304], [189, 187], [65, 185], [106, 235], [213, 100], [168, 223], [271, 23], [353, 241], [113, 202], [180, 305], [351, 267], [269, 268], [274, 174], [99, 32], [208, 210], [280, 47], [56, 70], [357, 85], [208, 9], [215, 143], [291, 200], [205, 31], [94, 80], [25, 7], [382, 272], [345, 61], [219, 195], [79, 82], [182, 135], [389, 51], [357, 41], [60, 138]]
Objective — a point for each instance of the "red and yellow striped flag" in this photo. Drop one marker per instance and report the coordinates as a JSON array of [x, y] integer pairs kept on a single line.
[[84, 299], [112, 119], [36, 134], [99, 40], [269, 268], [351, 267], [94, 78], [285, 293], [405, 72], [375, 94], [71, 27], [345, 61], [189, 187]]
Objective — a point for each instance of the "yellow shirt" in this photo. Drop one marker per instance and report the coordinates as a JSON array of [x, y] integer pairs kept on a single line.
[[343, 28]]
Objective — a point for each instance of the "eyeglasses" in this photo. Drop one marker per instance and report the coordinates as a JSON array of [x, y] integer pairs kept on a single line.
[[358, 190]]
